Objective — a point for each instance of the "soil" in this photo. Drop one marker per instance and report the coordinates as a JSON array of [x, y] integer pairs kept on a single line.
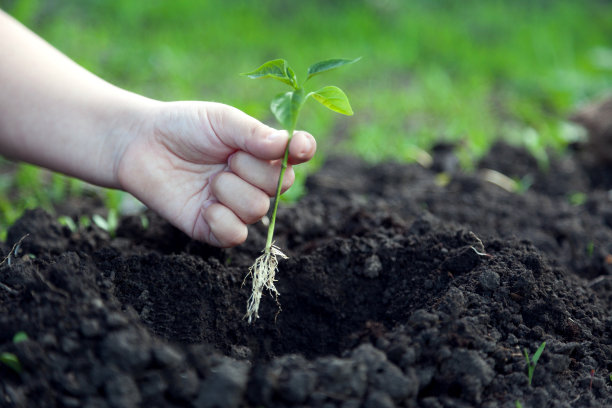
[[405, 287]]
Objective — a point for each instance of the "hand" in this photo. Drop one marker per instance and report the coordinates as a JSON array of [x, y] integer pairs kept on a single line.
[[208, 168]]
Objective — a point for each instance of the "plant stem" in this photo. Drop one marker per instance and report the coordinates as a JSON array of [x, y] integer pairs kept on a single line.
[[278, 194]]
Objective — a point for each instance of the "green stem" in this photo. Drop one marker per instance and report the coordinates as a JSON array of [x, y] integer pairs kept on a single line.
[[278, 193]]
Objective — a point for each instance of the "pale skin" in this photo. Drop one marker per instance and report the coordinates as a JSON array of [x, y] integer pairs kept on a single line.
[[208, 168]]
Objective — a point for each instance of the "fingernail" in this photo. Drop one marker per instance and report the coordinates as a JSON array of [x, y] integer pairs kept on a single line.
[[308, 147]]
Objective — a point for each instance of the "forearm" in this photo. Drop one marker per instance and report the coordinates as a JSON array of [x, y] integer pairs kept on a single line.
[[56, 114]]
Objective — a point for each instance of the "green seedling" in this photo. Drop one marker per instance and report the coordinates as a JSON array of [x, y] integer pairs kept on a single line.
[[144, 221], [590, 248], [84, 222], [577, 198], [533, 361], [10, 359], [108, 224], [20, 336], [68, 222], [518, 404], [286, 108]]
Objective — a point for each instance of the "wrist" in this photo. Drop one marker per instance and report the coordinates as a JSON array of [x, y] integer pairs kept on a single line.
[[130, 122]]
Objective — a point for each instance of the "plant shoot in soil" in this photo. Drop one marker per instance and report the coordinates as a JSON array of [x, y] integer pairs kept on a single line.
[[286, 108], [533, 361]]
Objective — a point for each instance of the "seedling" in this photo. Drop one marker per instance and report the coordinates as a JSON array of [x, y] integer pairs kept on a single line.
[[108, 224], [10, 359], [286, 108], [577, 198], [533, 361], [68, 222]]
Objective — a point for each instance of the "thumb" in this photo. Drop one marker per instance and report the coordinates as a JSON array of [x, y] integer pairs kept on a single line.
[[240, 131]]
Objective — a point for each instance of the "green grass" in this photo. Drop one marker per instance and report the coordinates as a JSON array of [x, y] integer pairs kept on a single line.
[[465, 72]]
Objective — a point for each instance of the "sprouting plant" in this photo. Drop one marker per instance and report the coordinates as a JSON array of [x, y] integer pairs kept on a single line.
[[286, 108], [108, 224], [533, 361], [20, 336], [68, 222], [144, 221], [577, 198], [84, 222], [10, 359], [590, 248], [518, 404]]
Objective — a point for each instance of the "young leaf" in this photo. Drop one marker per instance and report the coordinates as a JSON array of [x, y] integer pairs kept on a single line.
[[277, 69], [100, 222], [538, 353], [333, 98], [11, 361], [20, 336], [286, 107], [328, 65]]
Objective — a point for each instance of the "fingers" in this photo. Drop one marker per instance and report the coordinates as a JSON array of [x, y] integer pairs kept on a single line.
[[248, 202], [261, 173], [239, 203], [243, 132], [225, 228]]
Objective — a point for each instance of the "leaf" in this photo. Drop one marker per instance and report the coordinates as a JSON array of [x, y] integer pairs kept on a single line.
[[333, 98], [100, 222], [277, 69], [286, 108], [20, 336], [328, 65], [538, 353], [11, 361]]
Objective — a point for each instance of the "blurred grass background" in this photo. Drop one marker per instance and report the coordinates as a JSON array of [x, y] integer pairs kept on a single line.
[[466, 72]]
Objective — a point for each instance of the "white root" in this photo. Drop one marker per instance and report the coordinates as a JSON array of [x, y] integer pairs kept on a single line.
[[262, 273]]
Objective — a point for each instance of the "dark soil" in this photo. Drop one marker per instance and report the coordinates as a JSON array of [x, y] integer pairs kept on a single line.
[[401, 290]]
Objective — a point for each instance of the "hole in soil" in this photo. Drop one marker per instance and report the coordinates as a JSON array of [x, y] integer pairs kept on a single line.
[[331, 299]]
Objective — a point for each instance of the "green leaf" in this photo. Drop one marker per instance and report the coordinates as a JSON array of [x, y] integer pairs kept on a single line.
[[538, 353], [11, 361], [100, 222], [67, 222], [333, 98], [277, 69], [328, 65], [20, 336], [286, 108]]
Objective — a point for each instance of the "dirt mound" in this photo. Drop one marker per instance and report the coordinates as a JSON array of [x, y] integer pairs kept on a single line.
[[401, 289]]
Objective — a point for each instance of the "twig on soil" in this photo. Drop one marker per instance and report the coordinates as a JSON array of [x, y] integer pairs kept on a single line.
[[481, 249], [481, 253], [8, 259], [597, 280], [14, 251], [9, 289], [51, 286]]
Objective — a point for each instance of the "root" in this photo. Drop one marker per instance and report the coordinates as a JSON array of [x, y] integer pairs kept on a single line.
[[262, 273]]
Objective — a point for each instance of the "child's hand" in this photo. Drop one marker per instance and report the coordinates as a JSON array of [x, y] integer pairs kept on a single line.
[[208, 168]]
